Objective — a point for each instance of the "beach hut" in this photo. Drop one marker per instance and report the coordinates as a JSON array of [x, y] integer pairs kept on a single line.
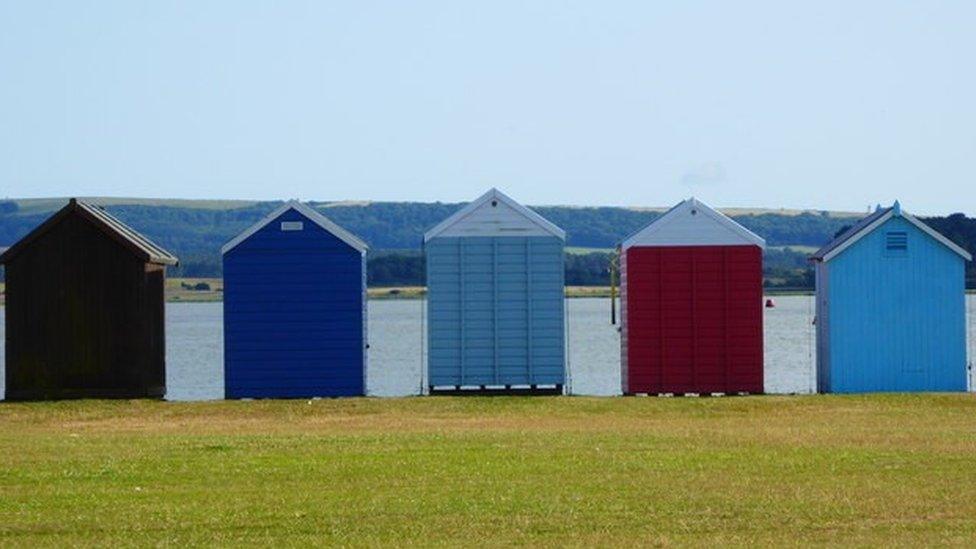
[[890, 308], [294, 308], [691, 305], [85, 309], [495, 276]]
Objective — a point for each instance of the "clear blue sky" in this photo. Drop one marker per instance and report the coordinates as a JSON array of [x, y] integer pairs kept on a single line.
[[828, 105]]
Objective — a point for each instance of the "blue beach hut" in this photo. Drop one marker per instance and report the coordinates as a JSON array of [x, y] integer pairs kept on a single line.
[[891, 308], [294, 308], [495, 277]]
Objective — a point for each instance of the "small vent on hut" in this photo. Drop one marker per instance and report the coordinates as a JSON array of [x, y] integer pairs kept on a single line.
[[896, 243]]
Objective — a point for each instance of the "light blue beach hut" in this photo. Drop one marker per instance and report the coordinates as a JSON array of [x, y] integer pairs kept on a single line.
[[495, 277], [294, 308], [891, 308]]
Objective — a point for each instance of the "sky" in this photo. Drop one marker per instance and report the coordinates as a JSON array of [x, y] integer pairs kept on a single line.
[[826, 105]]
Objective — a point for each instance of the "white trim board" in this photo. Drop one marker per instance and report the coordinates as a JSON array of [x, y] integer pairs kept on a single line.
[[693, 223], [477, 219], [309, 213]]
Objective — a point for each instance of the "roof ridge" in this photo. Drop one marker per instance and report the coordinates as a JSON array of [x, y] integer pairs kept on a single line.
[[309, 213], [155, 251], [96, 214], [494, 193], [726, 222], [870, 222]]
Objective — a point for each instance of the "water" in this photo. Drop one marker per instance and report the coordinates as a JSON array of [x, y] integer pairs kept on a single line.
[[194, 353]]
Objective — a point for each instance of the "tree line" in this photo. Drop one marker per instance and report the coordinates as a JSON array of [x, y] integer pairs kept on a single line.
[[401, 225], [394, 231], [782, 269]]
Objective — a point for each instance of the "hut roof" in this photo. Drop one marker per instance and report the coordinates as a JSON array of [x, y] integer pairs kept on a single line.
[[311, 214], [529, 219], [146, 249], [872, 222], [675, 228]]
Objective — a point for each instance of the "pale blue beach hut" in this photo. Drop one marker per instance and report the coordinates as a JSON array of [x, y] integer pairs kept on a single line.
[[495, 277], [891, 308]]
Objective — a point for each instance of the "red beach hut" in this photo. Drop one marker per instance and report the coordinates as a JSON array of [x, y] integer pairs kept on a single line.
[[691, 303]]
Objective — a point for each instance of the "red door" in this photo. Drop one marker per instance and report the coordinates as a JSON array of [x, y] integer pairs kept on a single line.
[[694, 319]]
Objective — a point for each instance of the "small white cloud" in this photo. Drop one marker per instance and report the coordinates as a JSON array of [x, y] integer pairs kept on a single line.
[[706, 173]]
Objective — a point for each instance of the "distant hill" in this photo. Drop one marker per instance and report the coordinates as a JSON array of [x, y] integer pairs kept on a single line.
[[35, 205], [199, 226], [42, 205], [196, 229]]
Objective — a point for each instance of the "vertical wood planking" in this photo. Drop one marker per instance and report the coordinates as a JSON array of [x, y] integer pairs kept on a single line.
[[725, 316], [694, 319], [892, 321], [694, 324], [84, 316], [494, 310], [512, 311], [462, 305], [661, 325], [528, 304]]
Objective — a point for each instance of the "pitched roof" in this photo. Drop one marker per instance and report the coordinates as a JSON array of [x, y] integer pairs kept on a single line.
[[147, 249], [309, 213], [677, 227], [494, 197], [849, 233], [868, 224]]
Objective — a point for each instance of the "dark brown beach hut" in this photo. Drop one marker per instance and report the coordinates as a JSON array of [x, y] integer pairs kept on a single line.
[[85, 311]]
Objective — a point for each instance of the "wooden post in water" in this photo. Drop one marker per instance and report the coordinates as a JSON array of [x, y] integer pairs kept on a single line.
[[613, 290]]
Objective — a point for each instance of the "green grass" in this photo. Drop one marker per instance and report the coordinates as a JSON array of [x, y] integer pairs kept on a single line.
[[872, 470], [796, 248], [580, 250], [398, 292], [175, 290]]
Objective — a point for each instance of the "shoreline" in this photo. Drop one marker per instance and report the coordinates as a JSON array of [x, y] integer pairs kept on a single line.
[[211, 290], [177, 293]]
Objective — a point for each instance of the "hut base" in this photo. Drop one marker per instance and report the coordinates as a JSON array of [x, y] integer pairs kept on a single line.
[[76, 394], [694, 395], [495, 390]]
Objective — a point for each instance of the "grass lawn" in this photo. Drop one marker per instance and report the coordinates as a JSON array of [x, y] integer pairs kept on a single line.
[[492, 471], [184, 289], [796, 248], [400, 292], [581, 250]]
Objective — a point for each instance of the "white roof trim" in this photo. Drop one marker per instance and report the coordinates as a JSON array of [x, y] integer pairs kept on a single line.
[[908, 217], [938, 236], [661, 222], [311, 214], [495, 194]]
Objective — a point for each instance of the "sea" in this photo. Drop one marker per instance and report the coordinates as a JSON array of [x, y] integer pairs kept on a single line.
[[194, 348]]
